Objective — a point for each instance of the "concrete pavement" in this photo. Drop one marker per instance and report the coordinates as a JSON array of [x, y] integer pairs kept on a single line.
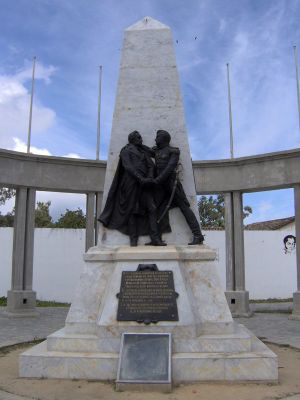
[[271, 327]]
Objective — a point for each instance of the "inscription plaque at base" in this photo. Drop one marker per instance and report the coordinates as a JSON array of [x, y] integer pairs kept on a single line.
[[145, 358], [147, 296]]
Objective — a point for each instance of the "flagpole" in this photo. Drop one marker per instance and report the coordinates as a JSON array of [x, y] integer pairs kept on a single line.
[[297, 80], [98, 117], [230, 112], [31, 102]]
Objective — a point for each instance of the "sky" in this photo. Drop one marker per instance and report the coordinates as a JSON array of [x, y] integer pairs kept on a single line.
[[71, 38]]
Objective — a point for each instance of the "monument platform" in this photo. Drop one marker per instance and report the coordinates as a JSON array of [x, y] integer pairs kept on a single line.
[[207, 345]]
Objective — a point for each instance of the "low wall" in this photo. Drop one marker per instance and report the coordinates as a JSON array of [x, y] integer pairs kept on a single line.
[[270, 272]]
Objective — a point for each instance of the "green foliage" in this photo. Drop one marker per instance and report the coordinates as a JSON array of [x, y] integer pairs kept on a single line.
[[51, 303], [6, 194], [3, 301], [72, 219], [212, 211], [7, 220], [39, 303], [42, 215]]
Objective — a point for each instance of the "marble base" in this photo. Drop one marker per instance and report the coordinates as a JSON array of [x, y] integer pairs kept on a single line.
[[252, 361], [206, 343]]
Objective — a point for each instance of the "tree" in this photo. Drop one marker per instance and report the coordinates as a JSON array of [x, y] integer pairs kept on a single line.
[[42, 215], [6, 194], [7, 220], [212, 211], [72, 219]]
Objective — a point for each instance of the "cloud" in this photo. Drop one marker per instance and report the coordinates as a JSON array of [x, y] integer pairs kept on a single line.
[[14, 107], [21, 146], [42, 72], [72, 155]]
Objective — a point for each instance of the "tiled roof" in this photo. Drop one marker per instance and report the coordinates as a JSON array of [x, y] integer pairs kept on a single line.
[[271, 225], [212, 228]]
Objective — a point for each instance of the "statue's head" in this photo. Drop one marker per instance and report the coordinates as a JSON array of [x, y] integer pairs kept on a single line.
[[163, 138], [135, 138]]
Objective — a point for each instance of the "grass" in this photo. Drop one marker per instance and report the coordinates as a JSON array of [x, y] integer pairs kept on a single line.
[[52, 303], [289, 300], [39, 303]]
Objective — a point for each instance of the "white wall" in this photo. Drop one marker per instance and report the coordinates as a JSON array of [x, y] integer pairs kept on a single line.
[[58, 259], [57, 262]]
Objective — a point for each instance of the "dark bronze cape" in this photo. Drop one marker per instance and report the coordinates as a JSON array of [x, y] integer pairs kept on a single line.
[[125, 197]]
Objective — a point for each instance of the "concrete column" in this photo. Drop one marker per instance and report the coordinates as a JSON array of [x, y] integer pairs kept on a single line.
[[99, 198], [29, 244], [21, 299], [90, 221], [239, 257], [229, 238], [237, 296], [296, 295]]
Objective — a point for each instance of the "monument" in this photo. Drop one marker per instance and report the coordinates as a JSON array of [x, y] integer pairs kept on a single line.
[[150, 314]]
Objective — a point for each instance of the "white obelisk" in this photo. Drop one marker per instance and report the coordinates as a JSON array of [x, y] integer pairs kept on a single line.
[[148, 99]]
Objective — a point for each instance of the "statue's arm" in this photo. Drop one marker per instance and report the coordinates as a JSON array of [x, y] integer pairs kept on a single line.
[[170, 168], [148, 150], [128, 165], [151, 168]]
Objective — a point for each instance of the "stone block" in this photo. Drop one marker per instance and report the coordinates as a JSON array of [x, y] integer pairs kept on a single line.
[[21, 302], [296, 306], [238, 302], [39, 363]]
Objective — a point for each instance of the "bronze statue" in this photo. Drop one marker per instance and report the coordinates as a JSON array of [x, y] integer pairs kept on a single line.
[[169, 188], [130, 207]]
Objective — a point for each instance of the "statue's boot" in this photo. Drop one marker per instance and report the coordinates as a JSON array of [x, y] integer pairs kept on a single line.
[[154, 235], [133, 241], [197, 239], [156, 241], [132, 231]]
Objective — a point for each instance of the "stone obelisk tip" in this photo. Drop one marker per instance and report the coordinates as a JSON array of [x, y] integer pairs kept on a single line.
[[147, 23]]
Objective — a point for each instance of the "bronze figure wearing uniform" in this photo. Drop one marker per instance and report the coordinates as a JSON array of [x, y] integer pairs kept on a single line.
[[168, 185]]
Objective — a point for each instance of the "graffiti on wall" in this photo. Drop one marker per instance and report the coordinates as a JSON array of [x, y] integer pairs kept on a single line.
[[289, 242]]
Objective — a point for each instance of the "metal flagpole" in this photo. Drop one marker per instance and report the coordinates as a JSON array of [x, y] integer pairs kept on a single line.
[[31, 102], [230, 112], [297, 80], [98, 119]]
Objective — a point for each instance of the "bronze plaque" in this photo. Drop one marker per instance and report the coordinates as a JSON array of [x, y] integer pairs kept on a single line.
[[147, 296]]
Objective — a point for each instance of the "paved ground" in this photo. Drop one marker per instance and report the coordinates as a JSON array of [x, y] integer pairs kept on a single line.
[[271, 327], [18, 330]]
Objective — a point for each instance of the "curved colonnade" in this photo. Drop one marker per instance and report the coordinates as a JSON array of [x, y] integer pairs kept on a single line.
[[29, 173]]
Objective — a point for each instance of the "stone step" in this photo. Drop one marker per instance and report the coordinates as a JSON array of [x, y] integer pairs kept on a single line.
[[258, 365], [213, 344], [62, 341]]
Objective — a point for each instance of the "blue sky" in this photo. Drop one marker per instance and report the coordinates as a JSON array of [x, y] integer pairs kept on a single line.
[[71, 38]]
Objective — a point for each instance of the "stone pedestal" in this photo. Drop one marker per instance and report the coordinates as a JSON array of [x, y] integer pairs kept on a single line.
[[238, 302], [207, 344], [21, 303], [296, 306]]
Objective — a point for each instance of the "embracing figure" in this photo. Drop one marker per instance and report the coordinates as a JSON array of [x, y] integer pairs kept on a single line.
[[130, 207], [142, 192]]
